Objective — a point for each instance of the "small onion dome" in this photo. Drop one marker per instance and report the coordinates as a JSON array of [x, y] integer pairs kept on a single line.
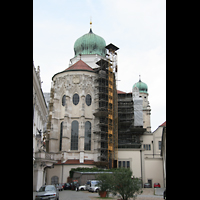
[[141, 86]]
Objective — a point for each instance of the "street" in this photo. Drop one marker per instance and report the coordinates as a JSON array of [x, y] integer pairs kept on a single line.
[[85, 195], [73, 195]]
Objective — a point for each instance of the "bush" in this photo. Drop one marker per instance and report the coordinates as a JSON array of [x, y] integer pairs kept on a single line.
[[120, 181], [105, 181], [123, 184]]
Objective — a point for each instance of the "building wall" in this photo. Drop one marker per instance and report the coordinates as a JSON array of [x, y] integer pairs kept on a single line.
[[132, 155], [154, 170], [69, 83], [62, 171], [153, 166]]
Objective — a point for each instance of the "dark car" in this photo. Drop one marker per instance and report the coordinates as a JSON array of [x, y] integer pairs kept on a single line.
[[156, 185], [47, 192], [147, 185], [67, 186]]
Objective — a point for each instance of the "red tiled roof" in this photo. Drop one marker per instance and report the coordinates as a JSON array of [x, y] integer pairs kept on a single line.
[[120, 92], [80, 65], [163, 124], [75, 162]]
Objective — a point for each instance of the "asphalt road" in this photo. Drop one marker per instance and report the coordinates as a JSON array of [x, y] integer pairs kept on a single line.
[[85, 195], [73, 195]]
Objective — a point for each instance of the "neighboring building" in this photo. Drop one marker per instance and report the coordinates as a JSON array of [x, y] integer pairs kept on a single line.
[[41, 160], [153, 162], [47, 98], [163, 151]]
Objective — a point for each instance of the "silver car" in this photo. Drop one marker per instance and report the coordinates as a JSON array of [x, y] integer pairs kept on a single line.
[[47, 192]]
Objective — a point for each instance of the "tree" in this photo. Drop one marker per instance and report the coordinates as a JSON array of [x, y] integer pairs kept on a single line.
[[105, 181], [125, 184]]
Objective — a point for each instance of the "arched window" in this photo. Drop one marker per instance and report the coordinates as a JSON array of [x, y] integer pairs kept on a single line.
[[74, 135], [61, 133], [75, 99], [88, 99], [63, 100], [87, 145]]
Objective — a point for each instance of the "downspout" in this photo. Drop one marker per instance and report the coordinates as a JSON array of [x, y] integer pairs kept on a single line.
[[141, 166], [62, 174]]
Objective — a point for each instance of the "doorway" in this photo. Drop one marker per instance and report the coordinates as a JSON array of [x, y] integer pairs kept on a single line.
[[54, 180]]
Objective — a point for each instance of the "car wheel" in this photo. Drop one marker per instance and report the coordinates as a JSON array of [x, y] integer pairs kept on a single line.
[[97, 190]]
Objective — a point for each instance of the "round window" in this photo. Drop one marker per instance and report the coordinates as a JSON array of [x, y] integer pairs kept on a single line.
[[75, 99], [88, 100]]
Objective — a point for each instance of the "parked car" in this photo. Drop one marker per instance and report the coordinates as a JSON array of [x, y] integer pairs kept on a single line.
[[67, 186], [82, 187], [156, 185], [59, 187], [47, 192], [93, 186], [94, 189], [88, 185], [147, 185]]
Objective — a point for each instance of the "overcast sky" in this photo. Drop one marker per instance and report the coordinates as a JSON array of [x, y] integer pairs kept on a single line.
[[137, 27]]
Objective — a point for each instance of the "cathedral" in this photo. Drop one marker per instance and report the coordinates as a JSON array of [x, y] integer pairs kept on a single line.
[[91, 123]]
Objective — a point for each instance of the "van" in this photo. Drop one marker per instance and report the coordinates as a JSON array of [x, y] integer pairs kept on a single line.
[[93, 186]]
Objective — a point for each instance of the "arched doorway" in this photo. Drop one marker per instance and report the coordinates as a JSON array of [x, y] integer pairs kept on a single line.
[[54, 180]]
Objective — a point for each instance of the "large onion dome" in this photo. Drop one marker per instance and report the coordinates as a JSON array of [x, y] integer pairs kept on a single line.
[[90, 43]]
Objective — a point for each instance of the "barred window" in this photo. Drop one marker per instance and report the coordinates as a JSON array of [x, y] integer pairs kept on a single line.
[[87, 145], [74, 135], [75, 99], [88, 100]]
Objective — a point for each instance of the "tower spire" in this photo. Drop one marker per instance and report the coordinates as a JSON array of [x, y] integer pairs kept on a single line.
[[90, 25], [139, 78]]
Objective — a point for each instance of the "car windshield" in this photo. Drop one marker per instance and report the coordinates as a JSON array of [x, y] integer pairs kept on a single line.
[[47, 188]]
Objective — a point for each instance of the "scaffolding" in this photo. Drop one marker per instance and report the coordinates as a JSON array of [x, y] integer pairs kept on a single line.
[[129, 136], [107, 128]]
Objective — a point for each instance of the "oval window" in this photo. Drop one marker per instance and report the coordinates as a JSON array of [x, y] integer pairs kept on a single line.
[[75, 99], [88, 100]]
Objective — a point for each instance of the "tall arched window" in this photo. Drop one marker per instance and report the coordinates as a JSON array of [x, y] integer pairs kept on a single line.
[[74, 135], [87, 145], [61, 133], [64, 100]]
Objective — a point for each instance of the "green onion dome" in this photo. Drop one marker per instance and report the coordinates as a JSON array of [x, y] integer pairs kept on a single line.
[[90, 43], [141, 86]]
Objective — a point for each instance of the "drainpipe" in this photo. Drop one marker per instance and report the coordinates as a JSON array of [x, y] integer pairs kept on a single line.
[[141, 166], [153, 148], [62, 174]]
